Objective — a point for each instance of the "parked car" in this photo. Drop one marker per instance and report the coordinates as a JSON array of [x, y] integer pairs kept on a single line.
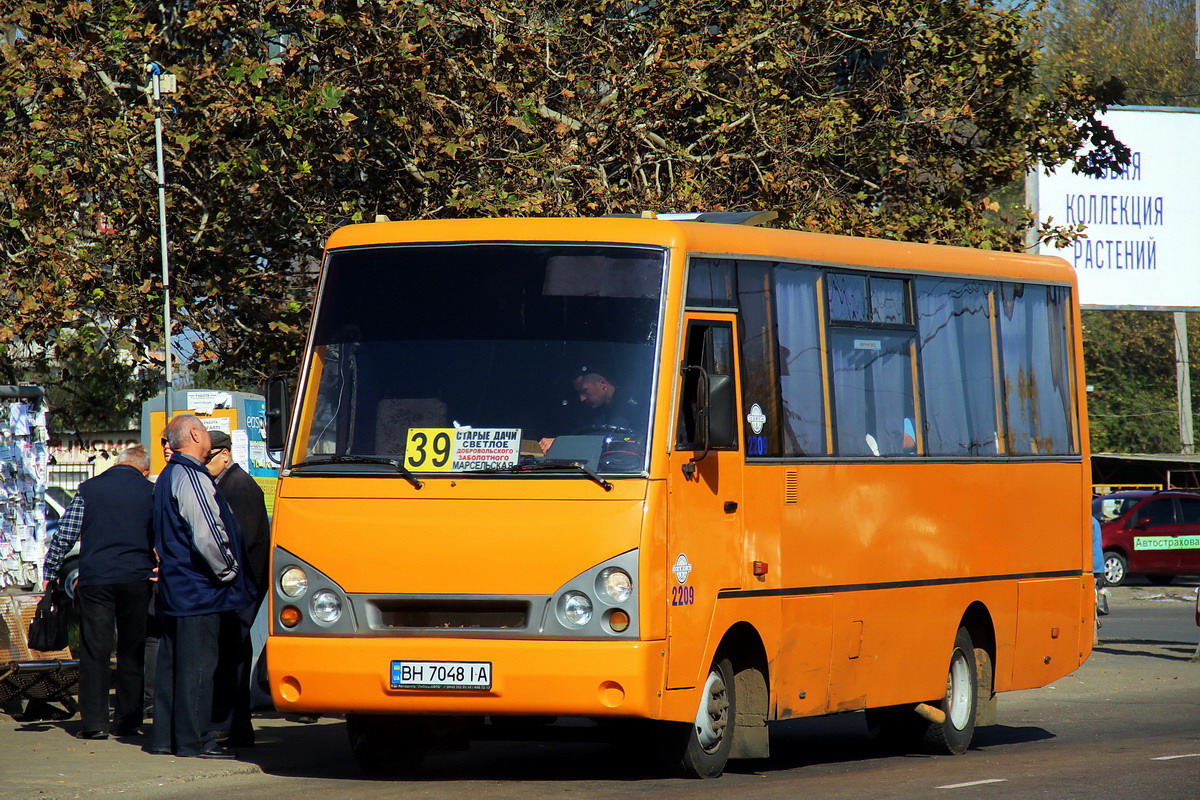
[[1156, 534], [57, 499]]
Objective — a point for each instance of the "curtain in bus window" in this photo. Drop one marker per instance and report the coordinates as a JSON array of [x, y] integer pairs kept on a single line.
[[955, 339], [760, 372], [1037, 369], [872, 392], [800, 361]]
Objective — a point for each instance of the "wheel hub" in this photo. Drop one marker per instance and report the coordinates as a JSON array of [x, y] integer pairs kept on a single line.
[[713, 715], [958, 691]]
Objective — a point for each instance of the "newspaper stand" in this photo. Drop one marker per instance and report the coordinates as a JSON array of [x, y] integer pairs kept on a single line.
[[25, 673]]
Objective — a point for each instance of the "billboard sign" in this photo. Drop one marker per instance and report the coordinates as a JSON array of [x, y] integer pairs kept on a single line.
[[1142, 245]]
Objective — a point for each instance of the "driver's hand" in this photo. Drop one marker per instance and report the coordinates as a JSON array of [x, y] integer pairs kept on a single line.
[[545, 444], [45, 585]]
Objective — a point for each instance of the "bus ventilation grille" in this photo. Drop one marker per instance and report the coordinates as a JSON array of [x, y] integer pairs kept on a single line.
[[453, 614], [791, 487]]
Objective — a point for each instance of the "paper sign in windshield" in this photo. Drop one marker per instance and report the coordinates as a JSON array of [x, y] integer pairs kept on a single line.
[[461, 449]]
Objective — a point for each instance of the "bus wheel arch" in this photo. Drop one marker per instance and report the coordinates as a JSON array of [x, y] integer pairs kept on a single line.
[[744, 648], [732, 708], [978, 623]]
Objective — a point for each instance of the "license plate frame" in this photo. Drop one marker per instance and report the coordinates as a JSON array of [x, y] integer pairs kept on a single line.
[[441, 675]]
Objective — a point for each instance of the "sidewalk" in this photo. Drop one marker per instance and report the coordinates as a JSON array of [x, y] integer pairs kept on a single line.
[[42, 760]]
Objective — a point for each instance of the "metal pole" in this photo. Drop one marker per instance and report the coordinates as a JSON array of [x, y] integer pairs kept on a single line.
[[1183, 385], [1033, 203], [156, 70]]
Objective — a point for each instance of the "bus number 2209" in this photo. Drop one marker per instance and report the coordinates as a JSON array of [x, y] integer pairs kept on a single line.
[[683, 595]]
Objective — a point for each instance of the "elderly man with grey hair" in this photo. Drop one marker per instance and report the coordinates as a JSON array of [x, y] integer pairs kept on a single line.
[[111, 516], [202, 575]]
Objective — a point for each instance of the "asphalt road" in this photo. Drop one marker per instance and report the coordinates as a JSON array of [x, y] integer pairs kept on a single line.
[[1126, 725]]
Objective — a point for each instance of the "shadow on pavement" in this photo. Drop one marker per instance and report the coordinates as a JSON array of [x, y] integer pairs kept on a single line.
[[1116, 651], [321, 751]]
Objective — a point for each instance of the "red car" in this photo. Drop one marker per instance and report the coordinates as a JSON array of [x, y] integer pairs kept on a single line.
[[1156, 534]]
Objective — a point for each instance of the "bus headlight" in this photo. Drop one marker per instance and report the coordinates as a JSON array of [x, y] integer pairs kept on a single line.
[[326, 606], [575, 609], [615, 584], [293, 582]]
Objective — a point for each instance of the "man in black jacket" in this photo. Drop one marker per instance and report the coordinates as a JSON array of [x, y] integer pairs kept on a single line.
[[231, 696], [112, 516]]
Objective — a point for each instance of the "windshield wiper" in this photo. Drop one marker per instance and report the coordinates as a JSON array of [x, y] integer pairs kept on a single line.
[[517, 469], [394, 462]]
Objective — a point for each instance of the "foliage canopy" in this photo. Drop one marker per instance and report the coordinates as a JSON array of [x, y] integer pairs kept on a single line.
[[896, 118], [1147, 50]]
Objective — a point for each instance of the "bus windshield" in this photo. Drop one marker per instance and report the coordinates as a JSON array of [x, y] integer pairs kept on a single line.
[[485, 357]]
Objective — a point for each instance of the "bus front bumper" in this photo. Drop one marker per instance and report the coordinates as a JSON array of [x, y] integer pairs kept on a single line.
[[334, 675]]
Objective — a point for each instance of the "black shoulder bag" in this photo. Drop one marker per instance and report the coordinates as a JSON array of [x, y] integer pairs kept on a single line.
[[48, 629]]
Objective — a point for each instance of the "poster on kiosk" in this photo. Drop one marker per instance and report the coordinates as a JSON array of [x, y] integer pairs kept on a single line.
[[240, 414]]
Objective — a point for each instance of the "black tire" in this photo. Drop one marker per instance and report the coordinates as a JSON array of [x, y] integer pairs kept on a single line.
[[960, 704], [703, 747], [386, 746], [1116, 568], [68, 576], [1158, 579]]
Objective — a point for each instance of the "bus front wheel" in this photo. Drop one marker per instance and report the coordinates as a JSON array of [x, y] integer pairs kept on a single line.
[[705, 748], [386, 746]]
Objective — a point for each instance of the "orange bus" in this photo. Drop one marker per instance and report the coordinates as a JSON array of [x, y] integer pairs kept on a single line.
[[682, 471]]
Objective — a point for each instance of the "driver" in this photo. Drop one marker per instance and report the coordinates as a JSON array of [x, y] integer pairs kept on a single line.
[[608, 405]]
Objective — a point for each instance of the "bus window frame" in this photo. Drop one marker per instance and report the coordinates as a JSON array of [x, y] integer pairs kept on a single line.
[[825, 267], [727, 319]]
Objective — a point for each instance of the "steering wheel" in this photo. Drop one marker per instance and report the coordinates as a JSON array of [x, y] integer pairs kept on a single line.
[[625, 451]]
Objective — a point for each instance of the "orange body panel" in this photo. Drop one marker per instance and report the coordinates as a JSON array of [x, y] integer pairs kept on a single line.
[[587, 679], [944, 537]]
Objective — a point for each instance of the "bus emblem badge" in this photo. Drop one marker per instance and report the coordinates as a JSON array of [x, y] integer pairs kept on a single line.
[[682, 568], [756, 418]]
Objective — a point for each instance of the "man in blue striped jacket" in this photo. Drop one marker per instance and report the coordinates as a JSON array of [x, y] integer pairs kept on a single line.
[[201, 575]]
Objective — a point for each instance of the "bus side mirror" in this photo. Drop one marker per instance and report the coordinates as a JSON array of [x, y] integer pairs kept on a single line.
[[721, 412], [277, 413]]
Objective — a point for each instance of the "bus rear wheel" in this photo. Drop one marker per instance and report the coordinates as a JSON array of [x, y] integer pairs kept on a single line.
[[901, 728], [386, 746], [704, 750], [953, 735]]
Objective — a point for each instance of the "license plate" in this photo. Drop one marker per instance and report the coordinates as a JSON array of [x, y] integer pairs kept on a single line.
[[441, 674]]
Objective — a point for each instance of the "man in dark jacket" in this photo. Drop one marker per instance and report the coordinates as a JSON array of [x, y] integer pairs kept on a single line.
[[231, 694], [201, 576], [111, 516]]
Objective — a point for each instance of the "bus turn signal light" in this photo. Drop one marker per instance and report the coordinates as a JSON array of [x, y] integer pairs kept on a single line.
[[289, 617], [618, 621], [760, 568]]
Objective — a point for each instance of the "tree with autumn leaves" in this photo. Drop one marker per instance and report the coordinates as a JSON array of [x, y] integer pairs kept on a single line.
[[902, 119]]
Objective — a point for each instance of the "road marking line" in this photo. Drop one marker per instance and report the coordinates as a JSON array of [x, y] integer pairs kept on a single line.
[[1172, 758], [972, 783]]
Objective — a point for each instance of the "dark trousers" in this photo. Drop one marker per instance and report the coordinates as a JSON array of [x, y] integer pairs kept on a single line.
[[103, 610], [231, 689], [183, 686], [153, 632]]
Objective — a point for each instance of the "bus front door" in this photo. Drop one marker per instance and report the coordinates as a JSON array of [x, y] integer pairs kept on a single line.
[[705, 549]]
